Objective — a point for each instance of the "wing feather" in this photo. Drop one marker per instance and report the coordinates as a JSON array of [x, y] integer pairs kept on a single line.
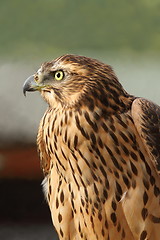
[[146, 116]]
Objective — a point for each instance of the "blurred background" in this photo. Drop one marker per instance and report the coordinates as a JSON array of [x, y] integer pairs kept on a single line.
[[124, 34]]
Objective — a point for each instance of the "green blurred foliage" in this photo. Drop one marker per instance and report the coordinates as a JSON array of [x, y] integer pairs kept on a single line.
[[38, 27]]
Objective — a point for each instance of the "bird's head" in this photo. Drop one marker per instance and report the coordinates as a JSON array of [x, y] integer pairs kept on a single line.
[[72, 81]]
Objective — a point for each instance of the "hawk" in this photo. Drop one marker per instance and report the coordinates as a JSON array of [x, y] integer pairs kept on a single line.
[[99, 149]]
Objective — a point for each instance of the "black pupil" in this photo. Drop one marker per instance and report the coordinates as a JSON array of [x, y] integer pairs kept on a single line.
[[58, 75]]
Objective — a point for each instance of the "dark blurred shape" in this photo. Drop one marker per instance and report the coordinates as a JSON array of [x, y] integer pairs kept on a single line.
[[23, 200], [23, 210], [20, 162]]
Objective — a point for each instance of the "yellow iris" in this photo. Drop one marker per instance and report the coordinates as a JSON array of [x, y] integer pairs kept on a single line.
[[59, 75]]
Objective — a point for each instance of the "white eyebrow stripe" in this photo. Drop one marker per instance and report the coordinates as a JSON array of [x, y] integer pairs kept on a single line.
[[39, 70]]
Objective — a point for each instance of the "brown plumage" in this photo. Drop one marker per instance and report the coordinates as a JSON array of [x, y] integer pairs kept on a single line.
[[100, 152]]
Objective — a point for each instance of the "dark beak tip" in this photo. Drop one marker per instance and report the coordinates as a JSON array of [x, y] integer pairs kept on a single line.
[[27, 86], [25, 89], [24, 93]]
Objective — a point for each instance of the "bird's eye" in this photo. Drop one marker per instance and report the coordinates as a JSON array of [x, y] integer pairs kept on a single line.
[[59, 75]]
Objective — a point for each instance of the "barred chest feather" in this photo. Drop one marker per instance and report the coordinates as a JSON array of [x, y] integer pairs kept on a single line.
[[96, 162], [110, 143]]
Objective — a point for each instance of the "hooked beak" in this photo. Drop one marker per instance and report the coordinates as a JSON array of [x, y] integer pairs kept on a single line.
[[30, 85]]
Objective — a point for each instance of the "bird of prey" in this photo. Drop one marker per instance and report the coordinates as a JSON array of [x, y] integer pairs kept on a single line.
[[100, 152]]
